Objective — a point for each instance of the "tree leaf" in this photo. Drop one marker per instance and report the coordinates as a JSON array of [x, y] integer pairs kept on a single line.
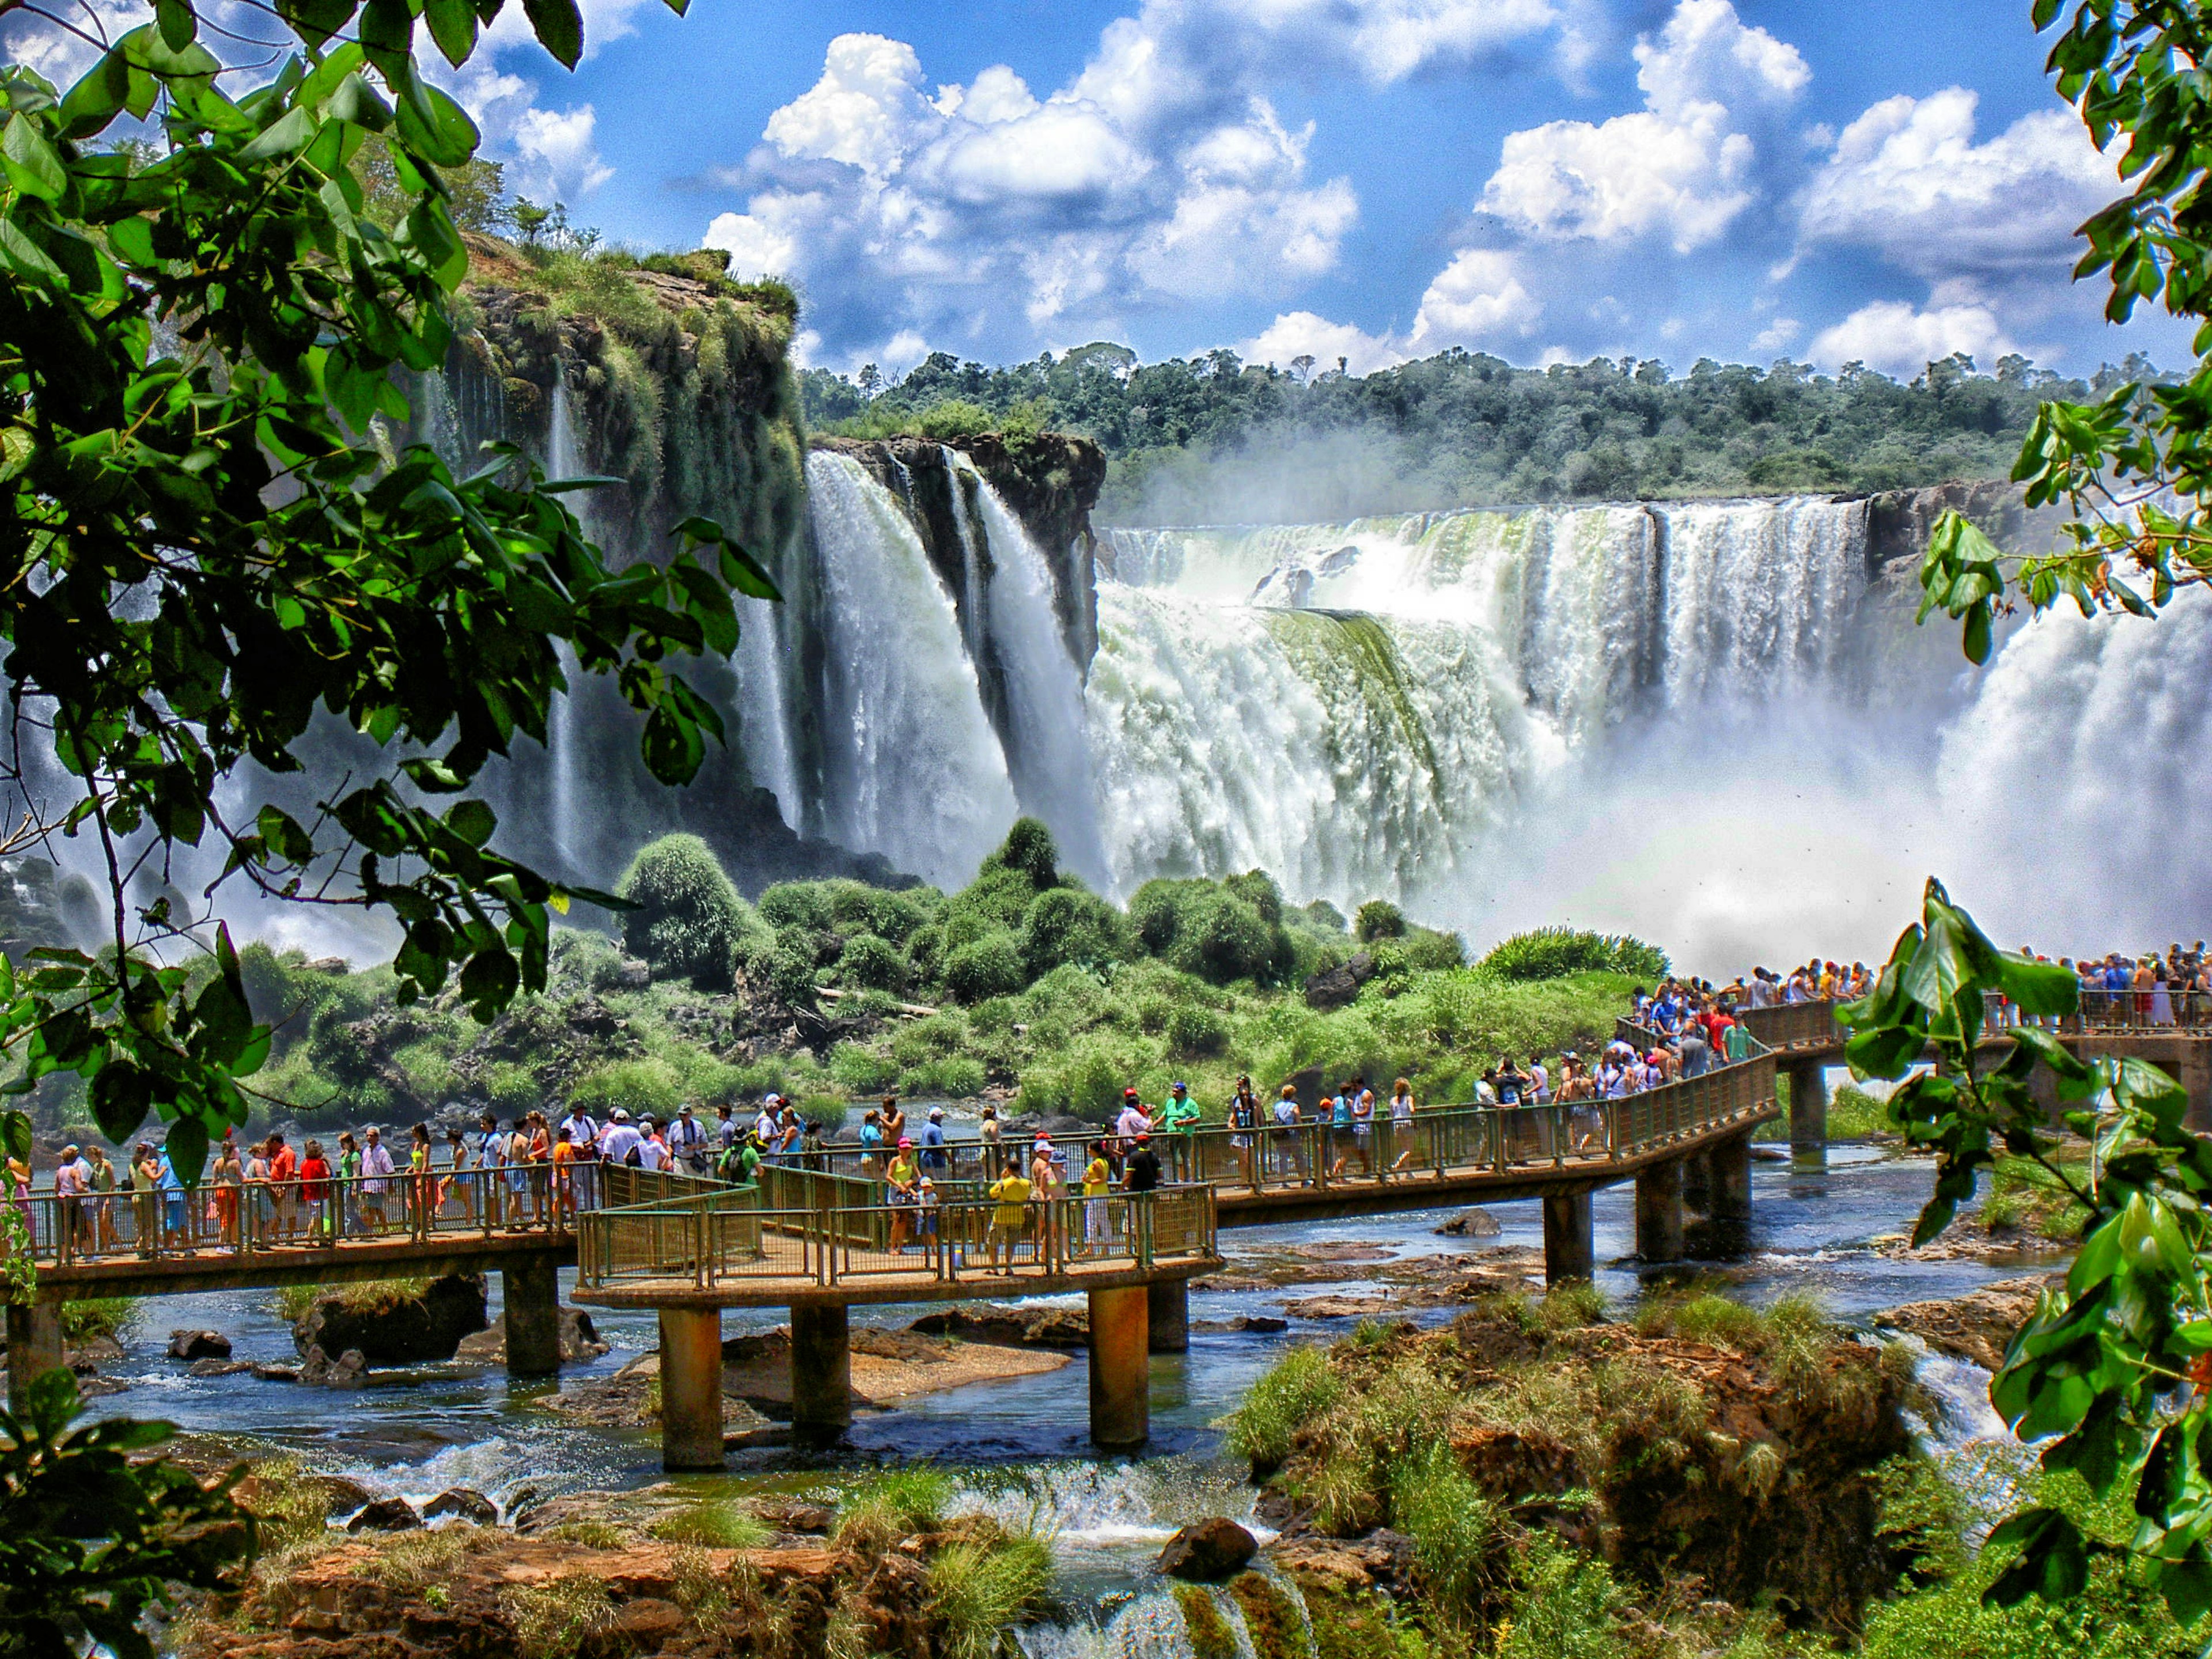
[[559, 28]]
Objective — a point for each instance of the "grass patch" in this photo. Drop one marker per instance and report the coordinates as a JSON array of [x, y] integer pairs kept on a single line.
[[1277, 1623], [417, 1560], [98, 1316], [717, 1523], [551, 1620], [894, 1505], [1212, 1635], [1298, 1387], [592, 1534], [1459, 1542], [292, 1302], [978, 1591]]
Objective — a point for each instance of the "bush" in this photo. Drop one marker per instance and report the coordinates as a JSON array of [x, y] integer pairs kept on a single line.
[[650, 1084], [1556, 952], [689, 918], [714, 1523], [1324, 918], [1378, 918], [1205, 929], [1298, 1388], [894, 1505], [860, 1070], [980, 1591], [1428, 951], [991, 967], [868, 963], [1457, 1537], [1195, 1033], [1029, 848], [1065, 926], [802, 904]]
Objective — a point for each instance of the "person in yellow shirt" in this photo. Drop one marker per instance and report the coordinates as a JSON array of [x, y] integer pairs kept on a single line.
[[1011, 1193], [1097, 1181]]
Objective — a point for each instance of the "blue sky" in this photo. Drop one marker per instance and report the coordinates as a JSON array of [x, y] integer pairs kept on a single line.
[[1370, 178]]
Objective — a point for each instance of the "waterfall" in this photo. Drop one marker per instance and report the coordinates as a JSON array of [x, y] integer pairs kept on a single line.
[[911, 767], [564, 459]]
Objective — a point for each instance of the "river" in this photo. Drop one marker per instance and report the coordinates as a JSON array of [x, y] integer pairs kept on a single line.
[[1021, 1444]]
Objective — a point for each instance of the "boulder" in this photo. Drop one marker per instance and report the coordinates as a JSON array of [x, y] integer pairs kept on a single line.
[[1009, 1328], [579, 1341], [223, 1367], [1337, 1307], [795, 1515], [273, 1373], [1333, 987], [1472, 1224], [346, 1371], [94, 1351], [1247, 1324], [403, 1331], [465, 1502], [1208, 1551], [1975, 1327], [198, 1345], [385, 1515]]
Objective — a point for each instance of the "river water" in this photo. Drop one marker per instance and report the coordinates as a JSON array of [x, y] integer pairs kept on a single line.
[[1021, 1444]]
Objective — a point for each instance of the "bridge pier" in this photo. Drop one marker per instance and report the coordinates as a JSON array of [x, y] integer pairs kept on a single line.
[[1659, 1211], [532, 1293], [1731, 1179], [1121, 1367], [821, 1376], [690, 1388], [1808, 1104], [1698, 1182], [1569, 1253], [1167, 1316], [34, 1347]]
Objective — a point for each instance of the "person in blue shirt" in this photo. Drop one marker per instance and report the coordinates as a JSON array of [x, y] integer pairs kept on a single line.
[[1339, 1107], [935, 1158]]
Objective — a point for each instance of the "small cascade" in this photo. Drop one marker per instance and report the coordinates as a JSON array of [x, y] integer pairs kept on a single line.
[[1260, 1615]]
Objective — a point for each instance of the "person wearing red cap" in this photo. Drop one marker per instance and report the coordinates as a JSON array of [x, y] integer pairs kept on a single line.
[[1134, 1120]]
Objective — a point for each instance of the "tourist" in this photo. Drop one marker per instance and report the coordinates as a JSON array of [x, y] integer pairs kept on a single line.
[[376, 1170], [1486, 1087], [419, 1189], [788, 1134], [583, 1132], [72, 1181], [743, 1165], [1010, 1193], [1133, 1121], [1510, 1084], [315, 1194], [764, 1119], [894, 1121], [619, 1144], [934, 1157], [229, 1182], [1243, 1120], [1363, 1124], [924, 1212], [564, 1176], [1040, 1190], [146, 1197], [652, 1150], [1178, 1118], [902, 1187], [687, 1141], [991, 1133], [813, 1150], [1142, 1172], [726, 1130], [1288, 1131], [283, 1173], [103, 1186], [871, 1145], [1337, 1150], [1402, 1122], [176, 1223], [1696, 1050], [1540, 1081], [1097, 1183]]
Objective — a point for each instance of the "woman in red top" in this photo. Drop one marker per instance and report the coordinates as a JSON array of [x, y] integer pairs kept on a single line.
[[315, 1191]]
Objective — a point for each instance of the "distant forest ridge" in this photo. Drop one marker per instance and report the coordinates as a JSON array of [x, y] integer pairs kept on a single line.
[[1213, 440]]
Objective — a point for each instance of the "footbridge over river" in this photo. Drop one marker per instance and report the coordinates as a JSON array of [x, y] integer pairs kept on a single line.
[[819, 1239]]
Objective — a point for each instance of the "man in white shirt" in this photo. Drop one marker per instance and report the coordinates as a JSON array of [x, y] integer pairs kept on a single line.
[[583, 1132], [375, 1172], [72, 1180], [764, 1125], [1134, 1120], [687, 1142], [619, 1140], [726, 1127]]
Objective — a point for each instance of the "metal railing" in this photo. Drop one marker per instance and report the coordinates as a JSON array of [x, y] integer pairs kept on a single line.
[[2155, 1011], [720, 1239], [224, 1221], [1785, 1025]]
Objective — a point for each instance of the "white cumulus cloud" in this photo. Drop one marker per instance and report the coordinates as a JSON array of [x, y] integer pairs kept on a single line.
[[1894, 337], [1297, 334], [1479, 295], [1682, 166]]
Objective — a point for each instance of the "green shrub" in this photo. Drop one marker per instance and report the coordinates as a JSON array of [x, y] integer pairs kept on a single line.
[[1195, 1033], [96, 1316], [1428, 951], [1378, 918], [638, 1086], [1556, 952], [991, 967], [862, 1069], [1065, 925], [688, 918], [1564, 1606], [509, 1089], [714, 1523], [1324, 917], [893, 1506], [802, 904], [1205, 929], [1029, 848], [870, 963], [1457, 1537], [1299, 1387], [952, 1077], [979, 1591]]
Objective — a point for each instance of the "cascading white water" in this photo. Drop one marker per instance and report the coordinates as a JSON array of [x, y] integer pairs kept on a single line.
[[564, 458], [912, 768]]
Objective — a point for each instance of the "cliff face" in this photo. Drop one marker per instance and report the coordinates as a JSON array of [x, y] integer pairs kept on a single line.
[[1898, 521]]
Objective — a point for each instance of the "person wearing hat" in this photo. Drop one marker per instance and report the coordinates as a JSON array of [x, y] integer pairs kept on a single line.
[[924, 1211], [1134, 1121], [1010, 1193], [619, 1144], [1097, 1182], [903, 1183], [936, 1157], [1142, 1172], [687, 1141], [1041, 1190]]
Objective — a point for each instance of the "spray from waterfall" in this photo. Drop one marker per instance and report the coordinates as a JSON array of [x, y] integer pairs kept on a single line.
[[564, 459]]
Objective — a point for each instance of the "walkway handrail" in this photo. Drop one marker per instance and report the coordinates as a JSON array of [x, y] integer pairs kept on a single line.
[[711, 1240], [2165, 1012]]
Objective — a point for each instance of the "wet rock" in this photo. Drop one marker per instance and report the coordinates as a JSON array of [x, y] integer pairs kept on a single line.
[[1477, 1223], [198, 1345], [346, 1371], [791, 1515], [342, 1496], [580, 1341], [94, 1388], [405, 1331], [1208, 1551], [1333, 987], [1355, 1565], [1337, 1307], [1011, 1328], [385, 1515], [1249, 1324], [223, 1367], [272, 1373], [94, 1351], [1975, 1327], [465, 1502], [640, 1626]]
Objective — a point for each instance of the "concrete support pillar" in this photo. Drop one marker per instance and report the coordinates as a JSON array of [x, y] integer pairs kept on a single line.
[[1121, 1367], [1698, 1182], [690, 1388], [1569, 1253], [1808, 1104], [532, 1293], [1659, 1212], [1167, 1316], [1732, 1180], [821, 1376], [34, 1347]]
